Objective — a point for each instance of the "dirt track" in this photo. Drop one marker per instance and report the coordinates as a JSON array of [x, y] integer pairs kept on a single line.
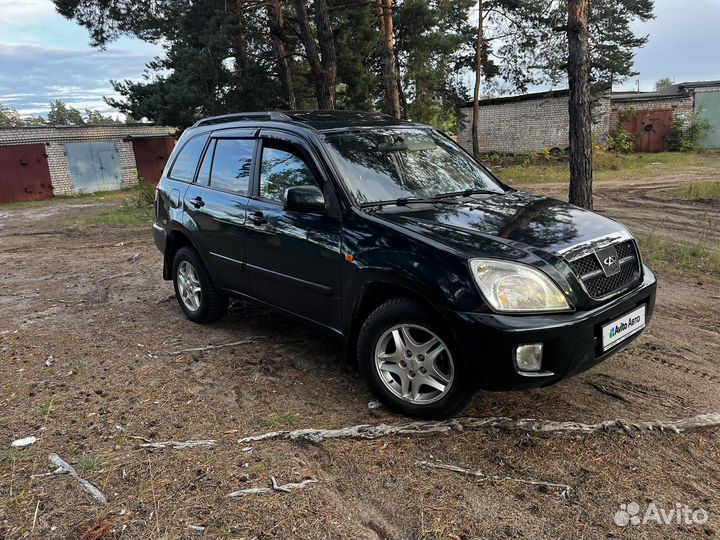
[[96, 302]]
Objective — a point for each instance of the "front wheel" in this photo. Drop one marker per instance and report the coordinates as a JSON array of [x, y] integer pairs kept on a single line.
[[194, 289], [409, 360]]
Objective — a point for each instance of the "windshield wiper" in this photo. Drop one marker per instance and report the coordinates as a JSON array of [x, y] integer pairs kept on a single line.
[[467, 193], [404, 201]]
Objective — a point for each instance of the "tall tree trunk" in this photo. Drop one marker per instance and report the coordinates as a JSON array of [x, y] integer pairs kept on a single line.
[[326, 39], [276, 23], [581, 157], [324, 69], [241, 57], [478, 80], [390, 72], [404, 108]]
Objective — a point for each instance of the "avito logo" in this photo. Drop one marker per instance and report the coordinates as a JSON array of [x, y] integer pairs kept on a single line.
[[617, 329]]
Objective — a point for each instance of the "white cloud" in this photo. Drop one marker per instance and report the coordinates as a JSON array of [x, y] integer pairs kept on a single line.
[[17, 12]]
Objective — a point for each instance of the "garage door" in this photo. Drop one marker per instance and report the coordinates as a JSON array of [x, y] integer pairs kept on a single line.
[[708, 105], [650, 128], [94, 166], [151, 154], [24, 173]]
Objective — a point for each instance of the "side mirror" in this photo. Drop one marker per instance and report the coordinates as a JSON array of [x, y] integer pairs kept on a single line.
[[306, 199]]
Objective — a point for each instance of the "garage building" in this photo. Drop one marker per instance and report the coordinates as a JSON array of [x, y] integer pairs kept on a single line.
[[533, 122], [39, 162]]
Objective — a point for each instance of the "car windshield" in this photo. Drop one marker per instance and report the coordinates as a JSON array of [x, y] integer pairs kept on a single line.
[[405, 163]]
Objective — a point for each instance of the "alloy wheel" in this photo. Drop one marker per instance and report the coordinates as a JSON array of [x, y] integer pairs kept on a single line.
[[188, 285], [414, 364]]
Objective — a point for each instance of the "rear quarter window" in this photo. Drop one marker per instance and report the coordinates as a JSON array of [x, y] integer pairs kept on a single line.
[[187, 159]]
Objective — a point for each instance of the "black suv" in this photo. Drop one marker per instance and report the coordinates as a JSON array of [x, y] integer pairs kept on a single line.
[[439, 278]]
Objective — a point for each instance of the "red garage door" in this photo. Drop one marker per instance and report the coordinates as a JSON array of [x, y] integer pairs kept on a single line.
[[24, 173], [150, 157], [650, 128]]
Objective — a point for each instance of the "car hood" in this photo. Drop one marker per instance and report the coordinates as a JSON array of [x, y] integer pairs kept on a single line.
[[509, 225]]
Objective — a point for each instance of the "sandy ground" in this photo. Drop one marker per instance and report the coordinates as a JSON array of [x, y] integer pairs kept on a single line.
[[95, 301]]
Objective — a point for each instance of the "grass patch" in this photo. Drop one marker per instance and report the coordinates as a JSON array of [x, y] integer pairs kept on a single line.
[[606, 166], [102, 196], [14, 455], [46, 409], [283, 420], [662, 252], [136, 209], [122, 216], [696, 191], [90, 463]]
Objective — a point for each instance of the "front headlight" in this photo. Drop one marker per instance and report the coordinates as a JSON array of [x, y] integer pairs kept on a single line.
[[514, 287]]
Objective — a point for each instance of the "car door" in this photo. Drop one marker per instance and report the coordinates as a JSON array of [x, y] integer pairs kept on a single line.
[[216, 204], [293, 258]]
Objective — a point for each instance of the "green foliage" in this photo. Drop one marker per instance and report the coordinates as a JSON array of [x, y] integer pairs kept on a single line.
[[144, 195], [621, 142], [540, 55], [60, 115], [435, 41], [64, 115], [685, 134], [663, 83], [96, 118], [215, 62], [219, 55], [10, 117]]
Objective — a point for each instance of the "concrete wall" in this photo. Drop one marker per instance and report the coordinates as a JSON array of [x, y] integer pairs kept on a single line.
[[516, 127], [54, 139]]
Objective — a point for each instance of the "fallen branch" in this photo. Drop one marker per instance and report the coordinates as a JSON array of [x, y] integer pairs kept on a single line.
[[180, 445], [63, 467], [285, 488], [563, 488], [530, 425], [213, 347]]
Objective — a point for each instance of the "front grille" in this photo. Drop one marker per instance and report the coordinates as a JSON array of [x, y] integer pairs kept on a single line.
[[597, 284]]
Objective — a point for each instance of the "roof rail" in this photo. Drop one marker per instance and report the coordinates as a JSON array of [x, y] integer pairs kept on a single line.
[[268, 115]]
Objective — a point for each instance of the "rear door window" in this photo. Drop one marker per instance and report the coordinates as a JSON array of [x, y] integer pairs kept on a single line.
[[187, 160], [232, 165]]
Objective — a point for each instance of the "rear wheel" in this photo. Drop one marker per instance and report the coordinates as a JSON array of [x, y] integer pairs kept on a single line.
[[410, 361], [194, 289]]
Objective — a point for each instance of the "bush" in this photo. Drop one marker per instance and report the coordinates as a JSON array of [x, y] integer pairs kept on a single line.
[[685, 135], [144, 195], [621, 142]]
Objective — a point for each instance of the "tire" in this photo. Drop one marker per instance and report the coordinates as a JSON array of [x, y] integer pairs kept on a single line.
[[428, 346], [188, 270]]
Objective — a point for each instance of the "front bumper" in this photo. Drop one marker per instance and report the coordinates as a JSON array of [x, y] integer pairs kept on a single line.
[[572, 342]]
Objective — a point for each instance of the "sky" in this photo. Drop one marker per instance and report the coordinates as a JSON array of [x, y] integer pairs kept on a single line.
[[44, 57]]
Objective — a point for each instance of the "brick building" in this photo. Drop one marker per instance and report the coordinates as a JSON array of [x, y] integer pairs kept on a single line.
[[39, 162], [527, 123], [533, 122]]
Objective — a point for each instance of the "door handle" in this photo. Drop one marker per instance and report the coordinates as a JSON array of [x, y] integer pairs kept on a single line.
[[198, 202], [258, 218]]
